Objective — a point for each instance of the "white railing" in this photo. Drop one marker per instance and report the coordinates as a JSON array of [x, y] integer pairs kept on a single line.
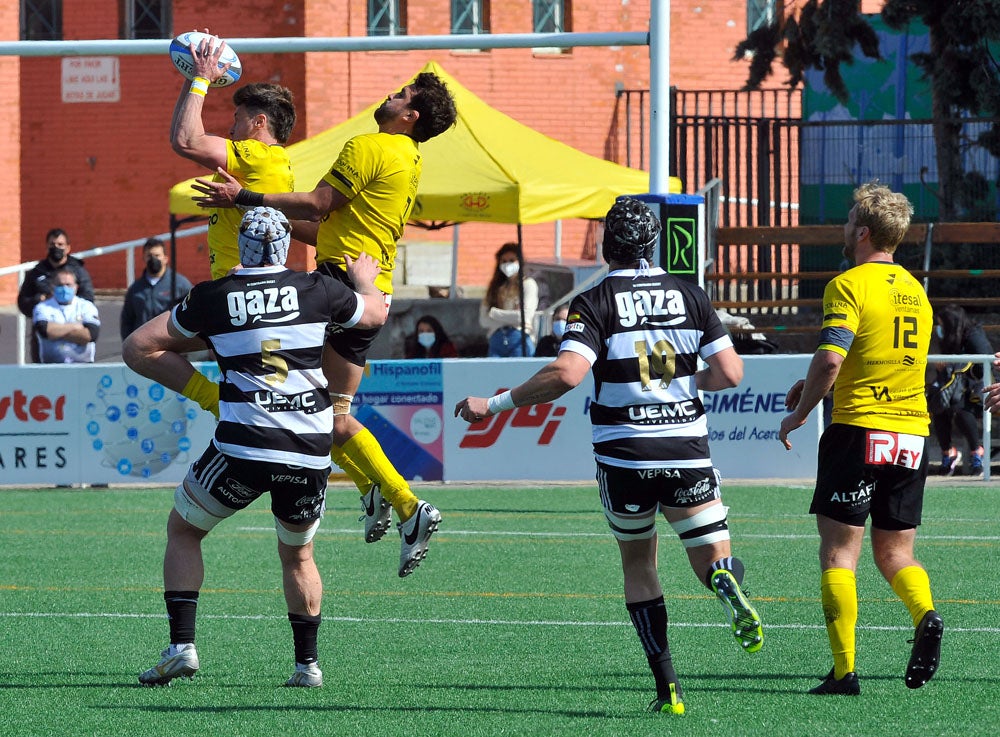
[[130, 246]]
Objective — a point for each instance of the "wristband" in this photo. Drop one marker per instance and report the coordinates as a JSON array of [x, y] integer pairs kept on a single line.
[[246, 198], [500, 403], [199, 86]]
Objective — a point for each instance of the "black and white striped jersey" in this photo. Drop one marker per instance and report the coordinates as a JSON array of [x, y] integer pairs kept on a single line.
[[643, 332], [267, 327]]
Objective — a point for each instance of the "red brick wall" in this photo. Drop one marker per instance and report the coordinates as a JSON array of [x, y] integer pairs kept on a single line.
[[10, 155], [102, 171]]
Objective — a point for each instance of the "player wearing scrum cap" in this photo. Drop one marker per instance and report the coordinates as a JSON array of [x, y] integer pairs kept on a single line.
[[642, 332], [267, 326]]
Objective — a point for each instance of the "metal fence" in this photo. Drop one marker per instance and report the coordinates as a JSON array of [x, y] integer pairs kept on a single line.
[[775, 169]]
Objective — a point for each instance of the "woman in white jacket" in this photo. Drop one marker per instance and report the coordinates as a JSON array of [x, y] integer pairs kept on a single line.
[[502, 311]]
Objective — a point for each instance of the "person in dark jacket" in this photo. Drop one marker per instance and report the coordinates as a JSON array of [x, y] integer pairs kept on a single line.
[[37, 286], [958, 333], [157, 290]]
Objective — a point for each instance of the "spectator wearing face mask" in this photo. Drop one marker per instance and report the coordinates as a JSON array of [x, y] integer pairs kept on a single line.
[[157, 290], [502, 313], [430, 340], [549, 345], [37, 286], [66, 325]]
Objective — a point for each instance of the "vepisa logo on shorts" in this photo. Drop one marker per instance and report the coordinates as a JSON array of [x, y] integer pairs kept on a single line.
[[543, 417]]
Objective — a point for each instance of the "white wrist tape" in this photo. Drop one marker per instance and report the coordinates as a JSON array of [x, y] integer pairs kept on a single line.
[[500, 402]]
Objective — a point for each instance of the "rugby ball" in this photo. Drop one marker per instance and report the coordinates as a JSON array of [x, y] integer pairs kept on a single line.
[[180, 55]]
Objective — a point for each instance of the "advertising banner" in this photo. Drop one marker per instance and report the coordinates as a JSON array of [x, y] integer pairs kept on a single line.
[[400, 402], [743, 422], [547, 441], [102, 423], [96, 424]]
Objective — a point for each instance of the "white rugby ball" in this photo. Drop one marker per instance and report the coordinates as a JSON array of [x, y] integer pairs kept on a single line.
[[180, 55]]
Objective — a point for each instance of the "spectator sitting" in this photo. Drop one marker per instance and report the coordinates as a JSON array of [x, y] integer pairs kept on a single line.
[[958, 333], [66, 325], [153, 292], [501, 311], [549, 345], [430, 340]]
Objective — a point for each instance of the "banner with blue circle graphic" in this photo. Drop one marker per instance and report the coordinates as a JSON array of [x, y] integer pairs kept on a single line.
[[96, 424]]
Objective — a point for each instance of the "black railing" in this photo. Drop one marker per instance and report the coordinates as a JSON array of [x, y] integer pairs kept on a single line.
[[777, 169]]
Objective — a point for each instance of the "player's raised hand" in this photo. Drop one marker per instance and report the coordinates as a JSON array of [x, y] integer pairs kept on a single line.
[[206, 59], [473, 409], [363, 271], [217, 194]]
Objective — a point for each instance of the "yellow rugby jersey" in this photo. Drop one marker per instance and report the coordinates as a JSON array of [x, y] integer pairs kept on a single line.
[[878, 316], [259, 168], [379, 174]]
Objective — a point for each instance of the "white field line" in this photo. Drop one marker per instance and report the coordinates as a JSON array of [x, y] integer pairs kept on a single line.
[[474, 622], [518, 533]]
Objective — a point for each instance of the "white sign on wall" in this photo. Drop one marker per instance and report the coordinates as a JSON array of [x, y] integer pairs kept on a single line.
[[90, 79]]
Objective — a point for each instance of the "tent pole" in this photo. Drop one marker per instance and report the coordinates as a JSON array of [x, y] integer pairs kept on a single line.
[[173, 258], [520, 289], [453, 292]]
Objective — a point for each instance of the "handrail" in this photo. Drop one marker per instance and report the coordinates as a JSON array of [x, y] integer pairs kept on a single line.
[[21, 269]]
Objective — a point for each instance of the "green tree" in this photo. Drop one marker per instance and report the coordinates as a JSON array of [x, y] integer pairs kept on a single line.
[[961, 68]]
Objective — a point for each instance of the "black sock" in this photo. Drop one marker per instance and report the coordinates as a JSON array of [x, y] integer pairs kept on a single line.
[[650, 621], [731, 564], [304, 632], [182, 607]]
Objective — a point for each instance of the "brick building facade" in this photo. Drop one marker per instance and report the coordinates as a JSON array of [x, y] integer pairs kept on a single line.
[[102, 171]]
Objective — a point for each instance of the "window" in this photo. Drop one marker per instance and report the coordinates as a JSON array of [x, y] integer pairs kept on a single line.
[[470, 16], [386, 17], [147, 19], [550, 16], [761, 13], [41, 20]]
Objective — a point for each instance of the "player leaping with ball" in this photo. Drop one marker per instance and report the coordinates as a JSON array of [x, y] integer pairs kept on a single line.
[[659, 464], [361, 206]]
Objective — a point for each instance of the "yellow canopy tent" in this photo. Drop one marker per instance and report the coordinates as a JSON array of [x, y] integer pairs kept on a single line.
[[487, 168]]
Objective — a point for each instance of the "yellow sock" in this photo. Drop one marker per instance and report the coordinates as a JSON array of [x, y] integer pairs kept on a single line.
[[840, 608], [912, 585], [365, 451], [355, 474]]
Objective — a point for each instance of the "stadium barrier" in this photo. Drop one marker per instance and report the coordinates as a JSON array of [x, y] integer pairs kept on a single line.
[[102, 424]]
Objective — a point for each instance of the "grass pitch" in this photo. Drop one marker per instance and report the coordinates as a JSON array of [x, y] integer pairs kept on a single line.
[[514, 625]]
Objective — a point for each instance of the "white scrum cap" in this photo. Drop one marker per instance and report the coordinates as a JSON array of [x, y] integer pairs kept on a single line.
[[265, 235]]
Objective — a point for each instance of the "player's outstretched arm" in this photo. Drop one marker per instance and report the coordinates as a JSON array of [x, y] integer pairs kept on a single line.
[[551, 382], [187, 132]]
